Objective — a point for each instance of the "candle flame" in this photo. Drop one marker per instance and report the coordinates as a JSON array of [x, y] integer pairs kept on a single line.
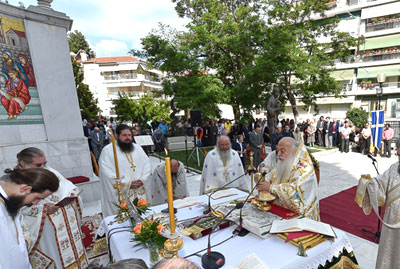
[[166, 152]]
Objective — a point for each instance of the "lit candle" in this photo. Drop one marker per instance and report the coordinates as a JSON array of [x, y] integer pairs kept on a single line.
[[115, 155], [170, 194]]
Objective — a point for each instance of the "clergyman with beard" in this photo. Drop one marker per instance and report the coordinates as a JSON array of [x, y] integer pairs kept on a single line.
[[293, 179], [222, 165], [134, 170], [20, 188], [384, 190]]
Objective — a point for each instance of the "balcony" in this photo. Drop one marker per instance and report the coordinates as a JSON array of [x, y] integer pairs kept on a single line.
[[382, 23], [369, 88], [120, 76]]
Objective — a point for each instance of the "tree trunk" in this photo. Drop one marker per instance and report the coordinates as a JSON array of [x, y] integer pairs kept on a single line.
[[292, 100], [236, 112]]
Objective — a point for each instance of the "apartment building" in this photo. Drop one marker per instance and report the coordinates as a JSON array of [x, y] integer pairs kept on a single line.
[[379, 22], [109, 75]]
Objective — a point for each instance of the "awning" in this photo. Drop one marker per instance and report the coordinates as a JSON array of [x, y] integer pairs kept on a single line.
[[346, 74], [381, 42], [381, 10], [372, 72]]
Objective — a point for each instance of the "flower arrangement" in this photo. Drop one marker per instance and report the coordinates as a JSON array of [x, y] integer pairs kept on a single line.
[[141, 205], [314, 161], [148, 233]]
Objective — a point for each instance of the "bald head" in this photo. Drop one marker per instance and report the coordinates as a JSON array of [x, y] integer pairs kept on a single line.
[[224, 143], [174, 166], [175, 263], [286, 148]]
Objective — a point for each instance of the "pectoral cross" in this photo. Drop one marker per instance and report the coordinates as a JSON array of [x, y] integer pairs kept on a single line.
[[226, 173]]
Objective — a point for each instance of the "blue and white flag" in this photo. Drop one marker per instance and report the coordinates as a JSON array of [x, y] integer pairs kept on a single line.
[[378, 122]]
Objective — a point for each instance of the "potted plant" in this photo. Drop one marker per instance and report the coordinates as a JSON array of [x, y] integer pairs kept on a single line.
[[369, 83], [363, 83]]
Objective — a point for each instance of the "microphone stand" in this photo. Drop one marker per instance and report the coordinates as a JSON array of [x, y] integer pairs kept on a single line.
[[214, 259], [209, 209], [378, 231], [240, 230]]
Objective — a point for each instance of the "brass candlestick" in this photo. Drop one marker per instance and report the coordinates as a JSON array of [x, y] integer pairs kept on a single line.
[[173, 244]]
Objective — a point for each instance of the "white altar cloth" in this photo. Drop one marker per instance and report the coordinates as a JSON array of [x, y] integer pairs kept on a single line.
[[273, 251]]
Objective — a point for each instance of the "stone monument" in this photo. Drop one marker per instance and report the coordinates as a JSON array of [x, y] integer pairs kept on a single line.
[[273, 109], [39, 103]]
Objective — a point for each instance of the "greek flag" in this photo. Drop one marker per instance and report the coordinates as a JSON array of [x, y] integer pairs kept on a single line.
[[378, 120]]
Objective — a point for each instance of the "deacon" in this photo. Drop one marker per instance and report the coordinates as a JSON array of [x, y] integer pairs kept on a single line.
[[158, 184], [222, 165], [20, 188], [293, 179], [384, 191], [134, 170], [54, 231]]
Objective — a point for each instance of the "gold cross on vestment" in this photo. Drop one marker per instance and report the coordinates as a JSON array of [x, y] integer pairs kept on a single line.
[[130, 160]]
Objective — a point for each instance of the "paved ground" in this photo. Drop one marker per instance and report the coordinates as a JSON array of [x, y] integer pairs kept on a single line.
[[339, 171]]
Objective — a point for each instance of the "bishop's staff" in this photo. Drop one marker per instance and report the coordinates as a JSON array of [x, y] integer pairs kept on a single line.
[[118, 185]]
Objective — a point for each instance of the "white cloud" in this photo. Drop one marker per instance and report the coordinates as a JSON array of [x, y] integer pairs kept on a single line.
[[108, 48]]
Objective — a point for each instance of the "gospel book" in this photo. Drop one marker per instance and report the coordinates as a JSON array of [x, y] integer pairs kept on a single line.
[[304, 224], [66, 201]]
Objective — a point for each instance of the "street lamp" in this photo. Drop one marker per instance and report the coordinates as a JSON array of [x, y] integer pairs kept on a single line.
[[381, 78]]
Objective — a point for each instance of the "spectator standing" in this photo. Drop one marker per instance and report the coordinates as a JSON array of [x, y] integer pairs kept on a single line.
[[366, 135], [213, 133], [228, 126], [311, 130], [275, 136], [159, 140], [335, 132], [163, 126], [287, 132], [320, 131], [387, 137], [298, 136], [328, 129], [346, 131], [256, 144], [154, 124], [240, 146], [97, 141]]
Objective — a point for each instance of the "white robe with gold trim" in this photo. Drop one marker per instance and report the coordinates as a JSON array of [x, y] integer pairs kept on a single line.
[[215, 175], [56, 239], [13, 252], [384, 190], [297, 191], [142, 171]]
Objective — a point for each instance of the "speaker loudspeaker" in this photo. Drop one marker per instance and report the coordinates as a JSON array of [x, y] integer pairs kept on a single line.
[[195, 117]]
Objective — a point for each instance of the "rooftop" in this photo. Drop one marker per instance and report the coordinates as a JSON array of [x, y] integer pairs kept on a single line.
[[112, 59]]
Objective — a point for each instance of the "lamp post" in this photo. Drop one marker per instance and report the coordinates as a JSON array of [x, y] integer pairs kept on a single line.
[[381, 78]]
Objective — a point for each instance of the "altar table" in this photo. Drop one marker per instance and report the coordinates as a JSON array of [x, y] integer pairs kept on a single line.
[[273, 251]]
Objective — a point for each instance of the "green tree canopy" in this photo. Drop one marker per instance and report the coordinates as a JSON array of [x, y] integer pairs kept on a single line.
[[77, 41], [358, 116], [87, 103], [140, 110]]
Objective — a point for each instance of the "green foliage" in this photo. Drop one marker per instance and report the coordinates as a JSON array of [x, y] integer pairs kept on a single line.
[[77, 41], [140, 110], [87, 103], [149, 234], [358, 116]]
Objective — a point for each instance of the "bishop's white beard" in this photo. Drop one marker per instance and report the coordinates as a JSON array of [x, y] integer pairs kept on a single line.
[[283, 167], [225, 155]]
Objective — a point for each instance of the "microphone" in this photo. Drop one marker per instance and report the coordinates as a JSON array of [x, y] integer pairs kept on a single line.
[[371, 157], [240, 230], [208, 210], [213, 259]]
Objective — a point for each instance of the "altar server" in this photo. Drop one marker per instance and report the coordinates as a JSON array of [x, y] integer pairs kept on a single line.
[[222, 165]]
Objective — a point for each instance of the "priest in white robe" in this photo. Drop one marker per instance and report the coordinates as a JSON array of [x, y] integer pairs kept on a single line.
[[18, 189], [384, 190], [157, 187], [221, 166], [293, 180], [134, 170], [54, 232]]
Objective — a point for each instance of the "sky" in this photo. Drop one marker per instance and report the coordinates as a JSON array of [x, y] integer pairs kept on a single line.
[[113, 27]]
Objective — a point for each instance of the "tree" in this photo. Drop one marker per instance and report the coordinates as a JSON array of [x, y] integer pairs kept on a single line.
[[295, 52], [358, 116], [87, 102], [77, 41], [140, 110]]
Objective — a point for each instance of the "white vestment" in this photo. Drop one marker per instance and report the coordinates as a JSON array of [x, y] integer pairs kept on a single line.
[[215, 174], [384, 191], [297, 190], [13, 252], [140, 171], [157, 186], [269, 163], [55, 240]]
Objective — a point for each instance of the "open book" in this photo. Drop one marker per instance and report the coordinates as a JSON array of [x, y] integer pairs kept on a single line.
[[304, 224], [186, 202], [250, 262]]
